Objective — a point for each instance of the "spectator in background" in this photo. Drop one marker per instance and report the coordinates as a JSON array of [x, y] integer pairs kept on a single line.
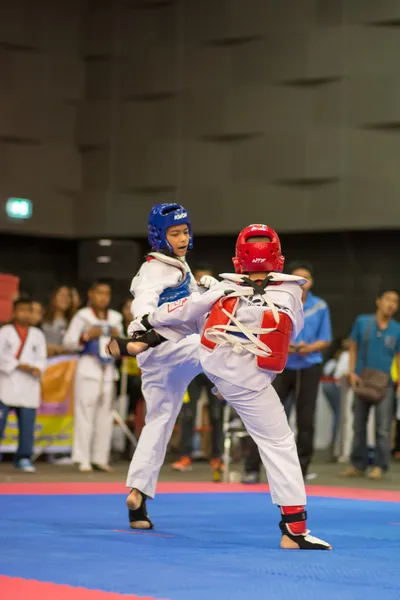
[[189, 411], [302, 374], [202, 270], [336, 368], [76, 301], [37, 313], [56, 319], [95, 377], [22, 362], [375, 343]]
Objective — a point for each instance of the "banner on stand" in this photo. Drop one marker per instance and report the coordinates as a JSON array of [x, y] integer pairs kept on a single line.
[[54, 420]]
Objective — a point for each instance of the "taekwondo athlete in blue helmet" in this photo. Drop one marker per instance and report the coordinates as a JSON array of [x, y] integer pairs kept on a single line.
[[168, 369]]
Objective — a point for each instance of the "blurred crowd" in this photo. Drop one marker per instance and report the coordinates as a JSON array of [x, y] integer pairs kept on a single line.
[[365, 363]]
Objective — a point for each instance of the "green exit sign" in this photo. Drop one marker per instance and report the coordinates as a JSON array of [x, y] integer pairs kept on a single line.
[[19, 208]]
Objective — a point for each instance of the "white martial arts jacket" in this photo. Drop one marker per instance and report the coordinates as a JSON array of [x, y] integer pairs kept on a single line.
[[160, 279], [16, 387], [184, 317], [94, 362]]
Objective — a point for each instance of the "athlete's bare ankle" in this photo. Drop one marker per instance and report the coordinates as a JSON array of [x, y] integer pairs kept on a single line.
[[135, 496]]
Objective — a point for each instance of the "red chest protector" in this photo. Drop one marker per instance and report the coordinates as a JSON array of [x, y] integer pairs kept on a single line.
[[278, 340], [217, 317]]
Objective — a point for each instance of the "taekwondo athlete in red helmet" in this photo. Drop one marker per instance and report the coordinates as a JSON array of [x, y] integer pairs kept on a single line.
[[166, 371], [247, 322]]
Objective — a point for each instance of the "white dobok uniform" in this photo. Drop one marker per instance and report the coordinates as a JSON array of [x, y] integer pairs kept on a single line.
[[166, 370], [94, 386], [235, 353], [17, 388]]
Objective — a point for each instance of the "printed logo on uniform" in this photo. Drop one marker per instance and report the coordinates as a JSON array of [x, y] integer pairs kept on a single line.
[[181, 215], [177, 304], [258, 260]]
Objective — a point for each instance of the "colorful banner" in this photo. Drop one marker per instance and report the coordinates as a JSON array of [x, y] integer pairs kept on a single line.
[[54, 420]]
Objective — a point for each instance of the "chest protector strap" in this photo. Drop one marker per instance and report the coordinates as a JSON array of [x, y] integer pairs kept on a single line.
[[269, 343], [219, 318]]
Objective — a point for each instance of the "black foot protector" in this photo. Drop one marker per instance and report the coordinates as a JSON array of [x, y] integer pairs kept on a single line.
[[140, 514]]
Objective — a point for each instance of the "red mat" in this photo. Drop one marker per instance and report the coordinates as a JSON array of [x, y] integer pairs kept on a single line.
[[14, 588], [94, 488]]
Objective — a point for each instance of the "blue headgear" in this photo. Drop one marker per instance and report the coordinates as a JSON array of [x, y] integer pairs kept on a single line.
[[163, 216]]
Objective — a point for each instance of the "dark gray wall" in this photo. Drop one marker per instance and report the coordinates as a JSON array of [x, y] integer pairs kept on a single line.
[[42, 85], [42, 264], [245, 110]]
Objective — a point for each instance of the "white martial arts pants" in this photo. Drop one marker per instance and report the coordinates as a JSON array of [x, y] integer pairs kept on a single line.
[[93, 420], [167, 371], [264, 417]]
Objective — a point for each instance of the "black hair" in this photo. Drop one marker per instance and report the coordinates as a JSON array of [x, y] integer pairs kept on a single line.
[[22, 300], [127, 299], [202, 267], [97, 282], [333, 348], [387, 290], [301, 264], [49, 310]]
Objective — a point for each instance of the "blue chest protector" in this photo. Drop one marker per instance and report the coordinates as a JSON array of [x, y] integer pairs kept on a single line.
[[92, 349], [182, 290]]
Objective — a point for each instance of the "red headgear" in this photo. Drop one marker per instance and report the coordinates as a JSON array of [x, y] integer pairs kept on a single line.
[[258, 256]]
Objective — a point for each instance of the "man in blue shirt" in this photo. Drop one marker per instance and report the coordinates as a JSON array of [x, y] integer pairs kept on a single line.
[[375, 342], [302, 374]]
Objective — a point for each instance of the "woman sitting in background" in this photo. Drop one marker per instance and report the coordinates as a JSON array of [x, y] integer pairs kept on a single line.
[[56, 319]]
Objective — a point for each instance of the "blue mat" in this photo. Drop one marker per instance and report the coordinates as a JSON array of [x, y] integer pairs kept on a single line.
[[205, 547]]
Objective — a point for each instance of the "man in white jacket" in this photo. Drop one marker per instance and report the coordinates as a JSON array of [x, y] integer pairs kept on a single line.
[[88, 333], [23, 357]]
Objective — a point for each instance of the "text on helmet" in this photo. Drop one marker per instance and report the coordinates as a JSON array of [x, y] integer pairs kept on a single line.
[[180, 216]]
